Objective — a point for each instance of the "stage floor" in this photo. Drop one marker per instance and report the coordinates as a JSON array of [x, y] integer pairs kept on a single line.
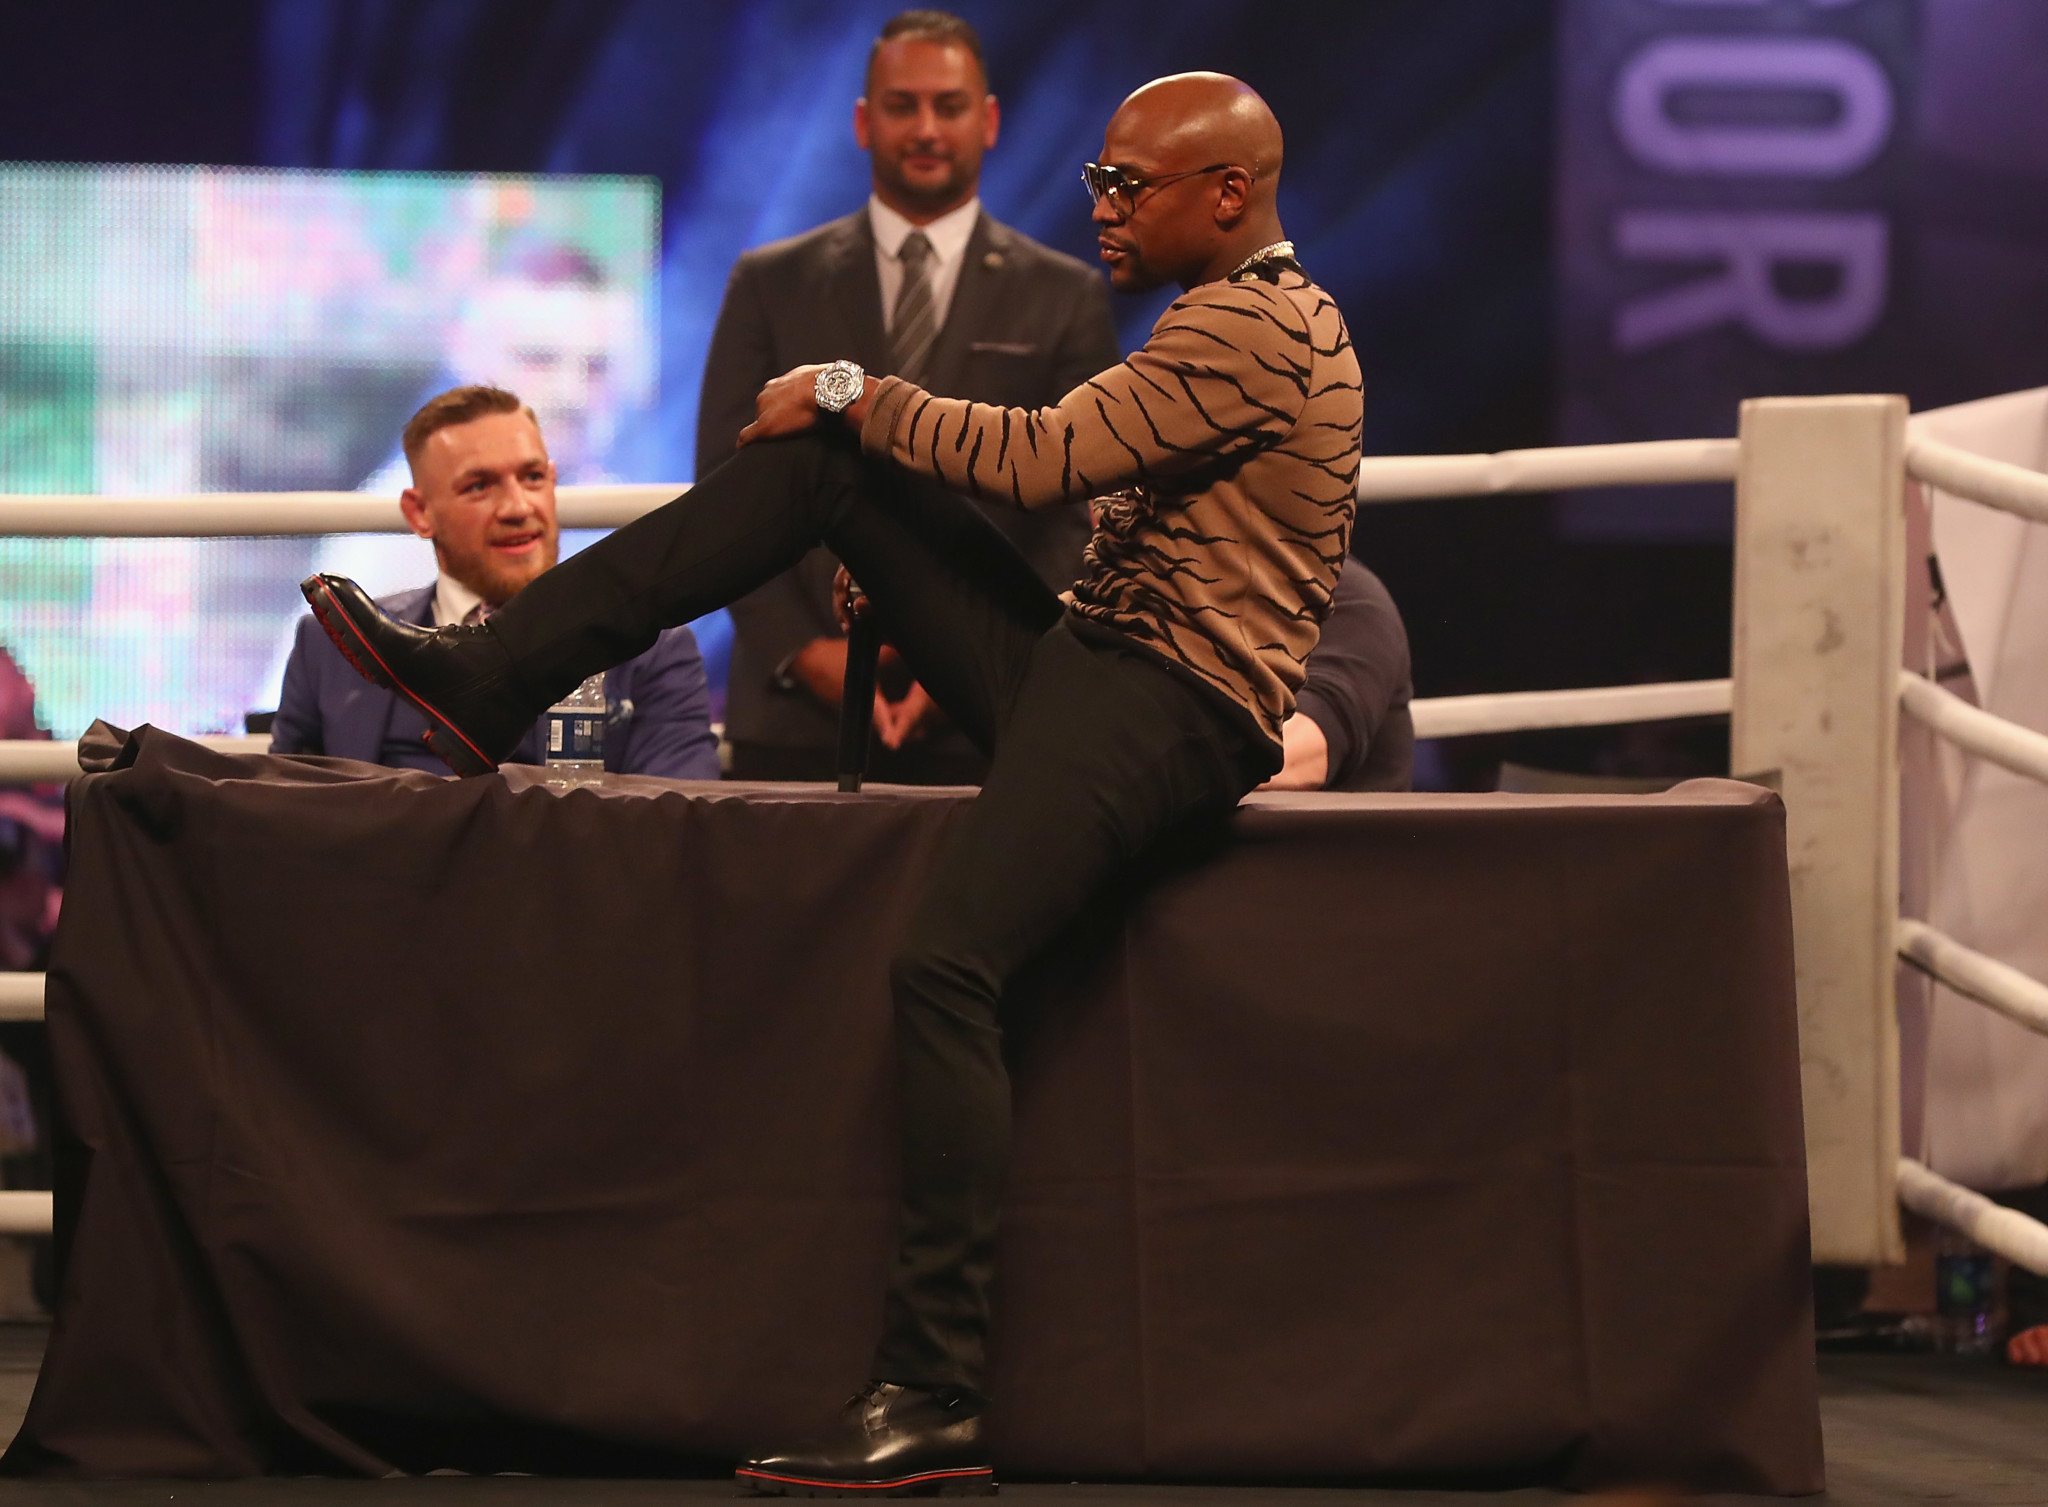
[[1901, 1431]]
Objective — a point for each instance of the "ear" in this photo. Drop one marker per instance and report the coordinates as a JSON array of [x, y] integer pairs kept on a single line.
[[860, 123], [1233, 197], [415, 512], [992, 124]]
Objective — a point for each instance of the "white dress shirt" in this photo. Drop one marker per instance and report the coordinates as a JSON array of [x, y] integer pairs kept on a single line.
[[948, 234], [452, 600]]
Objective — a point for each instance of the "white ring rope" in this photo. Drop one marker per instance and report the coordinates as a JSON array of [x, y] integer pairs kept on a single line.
[[1977, 478], [2020, 749], [2010, 1233], [27, 1213], [1407, 478], [26, 762], [21, 996], [1381, 478], [226, 515], [1600, 706], [1995, 985]]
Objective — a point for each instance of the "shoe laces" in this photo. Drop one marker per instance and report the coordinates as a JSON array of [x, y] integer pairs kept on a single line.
[[873, 1401]]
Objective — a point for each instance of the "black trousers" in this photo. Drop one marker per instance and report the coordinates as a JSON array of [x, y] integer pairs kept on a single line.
[[1099, 752], [913, 764]]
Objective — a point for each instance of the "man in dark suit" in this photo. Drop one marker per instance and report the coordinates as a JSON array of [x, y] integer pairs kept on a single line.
[[484, 492], [1351, 728], [923, 284]]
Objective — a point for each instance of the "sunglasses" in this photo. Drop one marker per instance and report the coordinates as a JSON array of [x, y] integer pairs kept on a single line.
[[1122, 188]]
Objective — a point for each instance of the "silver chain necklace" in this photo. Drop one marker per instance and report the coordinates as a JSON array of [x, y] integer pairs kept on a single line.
[[1264, 253]]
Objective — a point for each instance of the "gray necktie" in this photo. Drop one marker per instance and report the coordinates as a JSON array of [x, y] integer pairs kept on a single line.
[[915, 322]]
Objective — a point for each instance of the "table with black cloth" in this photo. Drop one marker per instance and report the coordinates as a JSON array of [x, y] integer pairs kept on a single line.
[[416, 1124]]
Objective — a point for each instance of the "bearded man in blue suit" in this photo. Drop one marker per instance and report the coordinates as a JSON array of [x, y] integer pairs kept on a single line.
[[483, 490]]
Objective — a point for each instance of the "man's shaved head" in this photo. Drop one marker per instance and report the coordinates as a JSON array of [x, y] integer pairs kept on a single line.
[[1206, 153], [1204, 118]]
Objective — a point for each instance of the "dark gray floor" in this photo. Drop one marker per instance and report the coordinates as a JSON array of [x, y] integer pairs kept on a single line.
[[1901, 1431]]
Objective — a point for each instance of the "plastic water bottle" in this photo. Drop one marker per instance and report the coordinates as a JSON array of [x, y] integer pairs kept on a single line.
[[573, 736], [1966, 1304]]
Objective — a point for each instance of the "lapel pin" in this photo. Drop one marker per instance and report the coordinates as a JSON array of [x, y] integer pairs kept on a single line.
[[993, 261]]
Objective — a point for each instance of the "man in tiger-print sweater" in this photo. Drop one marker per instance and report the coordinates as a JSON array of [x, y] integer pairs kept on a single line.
[[1147, 699]]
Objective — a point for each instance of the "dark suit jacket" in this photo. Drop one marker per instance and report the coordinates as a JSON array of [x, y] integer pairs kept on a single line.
[[659, 707], [1358, 688], [1026, 326]]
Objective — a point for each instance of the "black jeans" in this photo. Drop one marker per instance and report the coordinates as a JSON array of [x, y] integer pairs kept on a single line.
[[1098, 752]]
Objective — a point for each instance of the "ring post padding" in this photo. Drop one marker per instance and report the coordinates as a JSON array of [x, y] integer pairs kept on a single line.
[[1819, 625]]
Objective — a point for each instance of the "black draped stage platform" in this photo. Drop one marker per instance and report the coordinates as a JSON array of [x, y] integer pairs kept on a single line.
[[421, 1124]]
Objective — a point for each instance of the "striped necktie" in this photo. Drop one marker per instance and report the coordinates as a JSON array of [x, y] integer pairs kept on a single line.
[[915, 323], [477, 614]]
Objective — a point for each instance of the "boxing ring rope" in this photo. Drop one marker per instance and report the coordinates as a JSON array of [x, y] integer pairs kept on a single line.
[[261, 515], [1994, 483], [1995, 985], [2010, 1233], [1972, 729], [1599, 706], [1415, 478], [24, 761]]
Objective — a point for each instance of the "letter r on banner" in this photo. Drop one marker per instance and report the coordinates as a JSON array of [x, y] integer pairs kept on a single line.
[[1749, 248]]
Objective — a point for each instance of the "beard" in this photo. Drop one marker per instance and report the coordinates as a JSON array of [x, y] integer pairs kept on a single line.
[[1131, 273], [957, 185], [498, 581]]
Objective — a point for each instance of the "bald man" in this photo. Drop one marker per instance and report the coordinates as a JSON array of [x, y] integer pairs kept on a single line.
[[1220, 460]]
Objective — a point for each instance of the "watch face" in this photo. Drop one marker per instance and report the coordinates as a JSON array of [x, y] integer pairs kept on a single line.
[[838, 385]]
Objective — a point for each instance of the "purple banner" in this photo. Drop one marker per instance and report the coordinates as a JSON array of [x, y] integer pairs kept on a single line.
[[1732, 180]]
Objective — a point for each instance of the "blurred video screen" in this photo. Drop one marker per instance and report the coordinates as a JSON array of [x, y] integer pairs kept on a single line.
[[175, 330]]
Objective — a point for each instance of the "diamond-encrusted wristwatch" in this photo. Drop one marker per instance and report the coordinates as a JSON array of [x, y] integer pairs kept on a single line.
[[839, 385]]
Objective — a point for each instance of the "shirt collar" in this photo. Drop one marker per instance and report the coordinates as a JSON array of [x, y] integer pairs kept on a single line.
[[948, 234], [452, 600]]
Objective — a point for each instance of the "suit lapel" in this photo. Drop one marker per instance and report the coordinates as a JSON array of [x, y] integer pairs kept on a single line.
[[974, 293], [421, 616], [855, 291]]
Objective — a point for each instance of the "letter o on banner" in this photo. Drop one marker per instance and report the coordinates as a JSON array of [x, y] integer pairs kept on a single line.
[[1793, 65]]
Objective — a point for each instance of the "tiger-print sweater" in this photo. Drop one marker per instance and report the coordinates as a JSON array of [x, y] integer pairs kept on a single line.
[[1222, 459]]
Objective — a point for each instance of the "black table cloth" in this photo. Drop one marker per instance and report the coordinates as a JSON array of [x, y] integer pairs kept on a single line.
[[418, 1124]]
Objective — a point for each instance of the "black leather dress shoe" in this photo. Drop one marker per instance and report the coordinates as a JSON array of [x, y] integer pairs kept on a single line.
[[459, 678], [890, 1441]]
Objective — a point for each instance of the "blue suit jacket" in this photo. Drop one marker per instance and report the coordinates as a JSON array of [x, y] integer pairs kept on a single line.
[[658, 704]]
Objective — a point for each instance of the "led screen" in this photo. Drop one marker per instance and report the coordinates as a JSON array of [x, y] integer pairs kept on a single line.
[[169, 330]]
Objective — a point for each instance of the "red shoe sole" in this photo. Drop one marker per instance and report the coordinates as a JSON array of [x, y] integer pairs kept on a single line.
[[443, 736], [969, 1482]]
